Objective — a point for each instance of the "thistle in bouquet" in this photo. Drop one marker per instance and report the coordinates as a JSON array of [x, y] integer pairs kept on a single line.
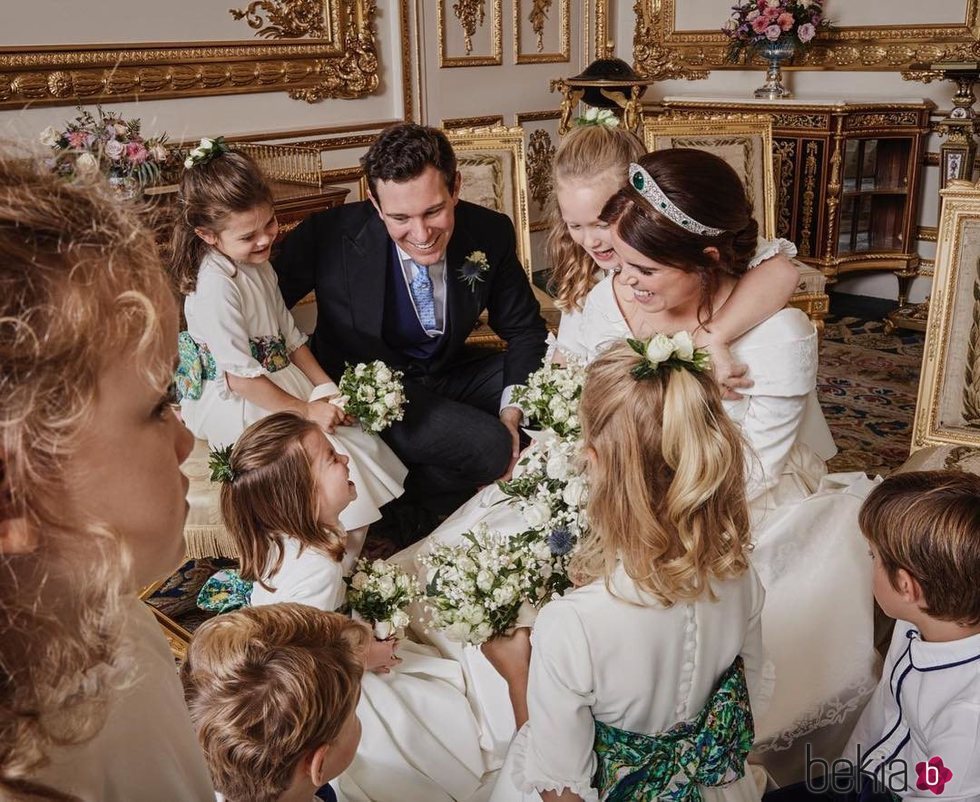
[[551, 397], [373, 394], [488, 584], [107, 143], [755, 22], [549, 487], [380, 593]]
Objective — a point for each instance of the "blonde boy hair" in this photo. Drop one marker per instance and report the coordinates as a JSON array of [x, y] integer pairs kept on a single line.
[[81, 285], [667, 487], [273, 495], [266, 686], [928, 523], [589, 154]]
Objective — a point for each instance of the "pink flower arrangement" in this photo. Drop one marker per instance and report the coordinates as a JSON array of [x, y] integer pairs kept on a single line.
[[107, 143], [756, 22]]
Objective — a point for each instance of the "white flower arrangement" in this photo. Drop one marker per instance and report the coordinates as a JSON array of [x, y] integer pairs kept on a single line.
[[374, 394], [486, 584], [597, 116], [676, 352], [551, 396], [380, 593]]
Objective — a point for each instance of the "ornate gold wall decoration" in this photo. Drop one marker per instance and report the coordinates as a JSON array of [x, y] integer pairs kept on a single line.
[[540, 152], [541, 15], [343, 64], [537, 18], [470, 14], [809, 192], [659, 44], [287, 19], [651, 57], [485, 121], [786, 150]]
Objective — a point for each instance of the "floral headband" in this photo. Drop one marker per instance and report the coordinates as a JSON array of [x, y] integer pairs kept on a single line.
[[643, 183], [677, 352], [594, 116], [219, 461], [206, 150]]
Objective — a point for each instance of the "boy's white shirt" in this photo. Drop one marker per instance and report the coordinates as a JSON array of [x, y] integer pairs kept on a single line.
[[936, 714]]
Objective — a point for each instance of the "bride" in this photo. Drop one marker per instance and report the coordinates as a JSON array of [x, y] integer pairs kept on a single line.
[[683, 234]]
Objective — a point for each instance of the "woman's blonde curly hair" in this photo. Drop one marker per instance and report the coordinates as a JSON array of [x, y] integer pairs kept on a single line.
[[81, 283], [667, 488], [588, 154]]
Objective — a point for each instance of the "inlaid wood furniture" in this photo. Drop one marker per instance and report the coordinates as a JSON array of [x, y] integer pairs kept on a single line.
[[848, 178]]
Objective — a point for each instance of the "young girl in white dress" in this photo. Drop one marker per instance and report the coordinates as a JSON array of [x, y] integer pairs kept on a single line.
[[288, 488], [92, 501], [242, 356], [640, 678]]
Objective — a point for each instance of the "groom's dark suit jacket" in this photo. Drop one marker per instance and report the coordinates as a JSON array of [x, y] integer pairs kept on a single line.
[[343, 255]]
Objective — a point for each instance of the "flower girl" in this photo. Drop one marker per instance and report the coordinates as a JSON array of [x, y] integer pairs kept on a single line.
[[639, 678], [242, 356], [282, 503]]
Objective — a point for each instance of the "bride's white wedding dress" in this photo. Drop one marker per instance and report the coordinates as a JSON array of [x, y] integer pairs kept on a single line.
[[818, 615]]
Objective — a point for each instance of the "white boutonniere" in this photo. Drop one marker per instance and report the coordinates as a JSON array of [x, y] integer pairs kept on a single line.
[[473, 268]]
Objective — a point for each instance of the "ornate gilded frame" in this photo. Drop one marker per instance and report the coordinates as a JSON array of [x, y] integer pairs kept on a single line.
[[540, 8], [471, 15], [662, 52], [948, 408], [342, 65], [505, 144], [745, 128]]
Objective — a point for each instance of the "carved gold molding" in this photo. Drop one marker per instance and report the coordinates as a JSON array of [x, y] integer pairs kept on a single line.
[[661, 51], [538, 17], [486, 121], [927, 234], [344, 66], [470, 15], [540, 152], [287, 19]]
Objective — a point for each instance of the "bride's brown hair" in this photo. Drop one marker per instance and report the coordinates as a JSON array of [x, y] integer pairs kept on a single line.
[[705, 188], [666, 481]]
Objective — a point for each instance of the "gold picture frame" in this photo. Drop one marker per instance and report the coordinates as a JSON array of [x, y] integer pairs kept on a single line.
[[744, 141], [661, 51], [947, 411], [342, 63], [493, 164], [538, 19], [471, 16]]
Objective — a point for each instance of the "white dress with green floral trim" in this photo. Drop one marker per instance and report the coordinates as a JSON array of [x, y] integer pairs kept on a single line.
[[240, 325], [619, 666]]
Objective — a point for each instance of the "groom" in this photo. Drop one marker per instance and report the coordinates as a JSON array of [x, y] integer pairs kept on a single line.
[[403, 278]]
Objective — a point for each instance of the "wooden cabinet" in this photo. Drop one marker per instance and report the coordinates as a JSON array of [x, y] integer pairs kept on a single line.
[[847, 177]]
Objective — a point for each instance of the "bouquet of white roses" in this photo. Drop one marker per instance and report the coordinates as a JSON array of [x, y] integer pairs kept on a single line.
[[374, 394], [551, 397], [379, 593], [549, 488], [487, 583]]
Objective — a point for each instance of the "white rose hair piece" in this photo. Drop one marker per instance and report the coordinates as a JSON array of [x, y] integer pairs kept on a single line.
[[676, 353]]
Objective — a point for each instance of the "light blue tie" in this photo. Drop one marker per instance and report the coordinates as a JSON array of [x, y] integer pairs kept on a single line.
[[422, 294]]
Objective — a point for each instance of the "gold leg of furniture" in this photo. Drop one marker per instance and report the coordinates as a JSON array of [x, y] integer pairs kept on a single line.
[[815, 305]]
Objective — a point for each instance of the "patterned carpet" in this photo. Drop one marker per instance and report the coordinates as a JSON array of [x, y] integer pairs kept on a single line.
[[867, 383]]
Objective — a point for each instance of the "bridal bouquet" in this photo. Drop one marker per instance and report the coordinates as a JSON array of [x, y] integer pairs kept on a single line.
[[107, 143], [380, 593], [374, 394], [756, 22], [487, 584], [551, 397], [549, 488]]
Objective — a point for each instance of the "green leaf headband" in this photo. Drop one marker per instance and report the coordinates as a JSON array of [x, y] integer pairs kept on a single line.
[[643, 183], [219, 461], [206, 150], [660, 351]]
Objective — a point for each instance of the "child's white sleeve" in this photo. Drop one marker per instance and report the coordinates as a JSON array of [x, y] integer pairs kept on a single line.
[[759, 685], [768, 248], [221, 323], [561, 730], [287, 324]]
